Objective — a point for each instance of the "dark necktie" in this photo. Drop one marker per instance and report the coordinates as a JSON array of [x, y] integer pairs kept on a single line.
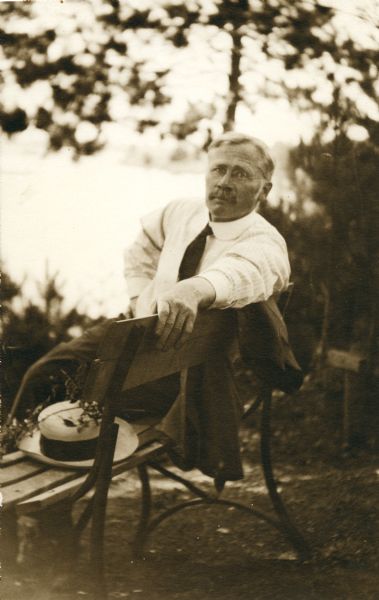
[[193, 254]]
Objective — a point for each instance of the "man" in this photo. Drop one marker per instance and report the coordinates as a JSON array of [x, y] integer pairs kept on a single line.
[[192, 256]]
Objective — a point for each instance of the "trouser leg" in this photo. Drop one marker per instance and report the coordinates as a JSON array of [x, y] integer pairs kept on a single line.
[[155, 398], [39, 379]]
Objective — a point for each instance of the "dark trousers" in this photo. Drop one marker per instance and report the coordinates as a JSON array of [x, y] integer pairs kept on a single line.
[[152, 399]]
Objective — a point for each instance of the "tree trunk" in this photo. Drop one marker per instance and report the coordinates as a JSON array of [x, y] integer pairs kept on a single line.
[[234, 90], [353, 429], [361, 395], [372, 219]]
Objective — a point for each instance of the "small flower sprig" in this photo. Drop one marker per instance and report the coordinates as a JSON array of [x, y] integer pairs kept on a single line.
[[74, 386], [13, 432]]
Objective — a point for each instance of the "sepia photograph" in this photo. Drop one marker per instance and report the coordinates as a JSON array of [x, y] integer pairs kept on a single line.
[[190, 290]]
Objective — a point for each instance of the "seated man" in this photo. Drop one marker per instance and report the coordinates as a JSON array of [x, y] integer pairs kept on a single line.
[[189, 256]]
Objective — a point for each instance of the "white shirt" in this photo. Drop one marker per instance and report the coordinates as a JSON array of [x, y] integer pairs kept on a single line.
[[244, 260]]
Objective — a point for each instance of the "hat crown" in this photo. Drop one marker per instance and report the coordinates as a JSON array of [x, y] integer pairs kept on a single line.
[[61, 422]]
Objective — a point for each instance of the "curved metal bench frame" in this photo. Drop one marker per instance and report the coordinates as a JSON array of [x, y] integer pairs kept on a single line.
[[282, 523], [115, 367]]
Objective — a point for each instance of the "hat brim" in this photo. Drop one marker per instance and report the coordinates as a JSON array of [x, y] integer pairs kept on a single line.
[[127, 443]]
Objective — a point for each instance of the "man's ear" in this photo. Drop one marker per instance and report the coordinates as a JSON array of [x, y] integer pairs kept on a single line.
[[264, 192], [266, 189]]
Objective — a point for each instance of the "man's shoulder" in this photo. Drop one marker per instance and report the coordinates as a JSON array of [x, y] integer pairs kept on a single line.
[[259, 222], [260, 225]]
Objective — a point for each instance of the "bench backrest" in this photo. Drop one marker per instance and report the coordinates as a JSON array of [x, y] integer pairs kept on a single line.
[[128, 356]]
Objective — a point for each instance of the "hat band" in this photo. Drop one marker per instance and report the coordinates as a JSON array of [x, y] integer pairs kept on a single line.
[[68, 451]]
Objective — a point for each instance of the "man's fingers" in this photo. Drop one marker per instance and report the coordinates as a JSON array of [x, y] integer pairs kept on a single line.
[[132, 308], [163, 315], [169, 327], [167, 316], [186, 332], [176, 317], [174, 322], [176, 332]]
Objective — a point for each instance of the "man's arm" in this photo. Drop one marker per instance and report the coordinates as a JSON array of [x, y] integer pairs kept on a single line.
[[131, 310], [252, 272], [178, 308], [142, 257]]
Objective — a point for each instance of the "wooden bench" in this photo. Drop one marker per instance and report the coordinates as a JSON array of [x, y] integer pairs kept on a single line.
[[37, 496], [30, 486], [128, 348]]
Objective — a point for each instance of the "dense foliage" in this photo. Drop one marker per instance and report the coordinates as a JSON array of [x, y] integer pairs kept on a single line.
[[33, 328], [73, 71]]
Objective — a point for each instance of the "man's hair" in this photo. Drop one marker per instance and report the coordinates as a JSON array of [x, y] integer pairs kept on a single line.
[[232, 138]]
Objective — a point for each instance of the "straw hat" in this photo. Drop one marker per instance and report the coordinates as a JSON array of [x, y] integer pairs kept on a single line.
[[60, 439]]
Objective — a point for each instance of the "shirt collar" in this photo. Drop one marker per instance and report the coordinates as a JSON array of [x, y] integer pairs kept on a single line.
[[231, 230]]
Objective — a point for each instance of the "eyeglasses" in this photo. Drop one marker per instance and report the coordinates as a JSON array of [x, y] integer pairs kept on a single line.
[[237, 173]]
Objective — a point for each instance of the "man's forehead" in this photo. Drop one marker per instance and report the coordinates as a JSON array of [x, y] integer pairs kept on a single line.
[[233, 153]]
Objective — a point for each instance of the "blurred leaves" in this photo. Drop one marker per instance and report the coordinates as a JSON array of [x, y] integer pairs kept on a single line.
[[14, 121], [115, 51], [344, 259]]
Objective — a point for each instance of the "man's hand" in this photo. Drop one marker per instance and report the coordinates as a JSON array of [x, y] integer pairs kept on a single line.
[[131, 310], [177, 310]]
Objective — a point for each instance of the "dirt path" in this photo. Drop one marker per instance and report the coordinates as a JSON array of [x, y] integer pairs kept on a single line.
[[218, 553]]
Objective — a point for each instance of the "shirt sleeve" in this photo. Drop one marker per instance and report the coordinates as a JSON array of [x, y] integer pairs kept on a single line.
[[252, 271], [142, 257]]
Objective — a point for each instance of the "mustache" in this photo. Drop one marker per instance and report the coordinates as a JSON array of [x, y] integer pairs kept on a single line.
[[221, 194]]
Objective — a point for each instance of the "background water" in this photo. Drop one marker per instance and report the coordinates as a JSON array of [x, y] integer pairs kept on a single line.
[[76, 218]]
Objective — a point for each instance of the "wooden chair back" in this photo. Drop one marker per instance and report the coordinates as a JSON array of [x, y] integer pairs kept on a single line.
[[128, 356]]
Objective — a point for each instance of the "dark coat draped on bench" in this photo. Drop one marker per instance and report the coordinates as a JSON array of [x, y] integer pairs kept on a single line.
[[204, 420]]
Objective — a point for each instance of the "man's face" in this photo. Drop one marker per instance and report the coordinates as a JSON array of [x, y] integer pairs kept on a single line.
[[234, 182]]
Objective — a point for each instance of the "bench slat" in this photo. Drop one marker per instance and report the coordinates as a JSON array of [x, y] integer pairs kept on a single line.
[[13, 465], [28, 479], [20, 470], [53, 496], [9, 459], [65, 490], [27, 488]]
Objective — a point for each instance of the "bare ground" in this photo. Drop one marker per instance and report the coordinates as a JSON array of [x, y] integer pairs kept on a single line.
[[216, 552]]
